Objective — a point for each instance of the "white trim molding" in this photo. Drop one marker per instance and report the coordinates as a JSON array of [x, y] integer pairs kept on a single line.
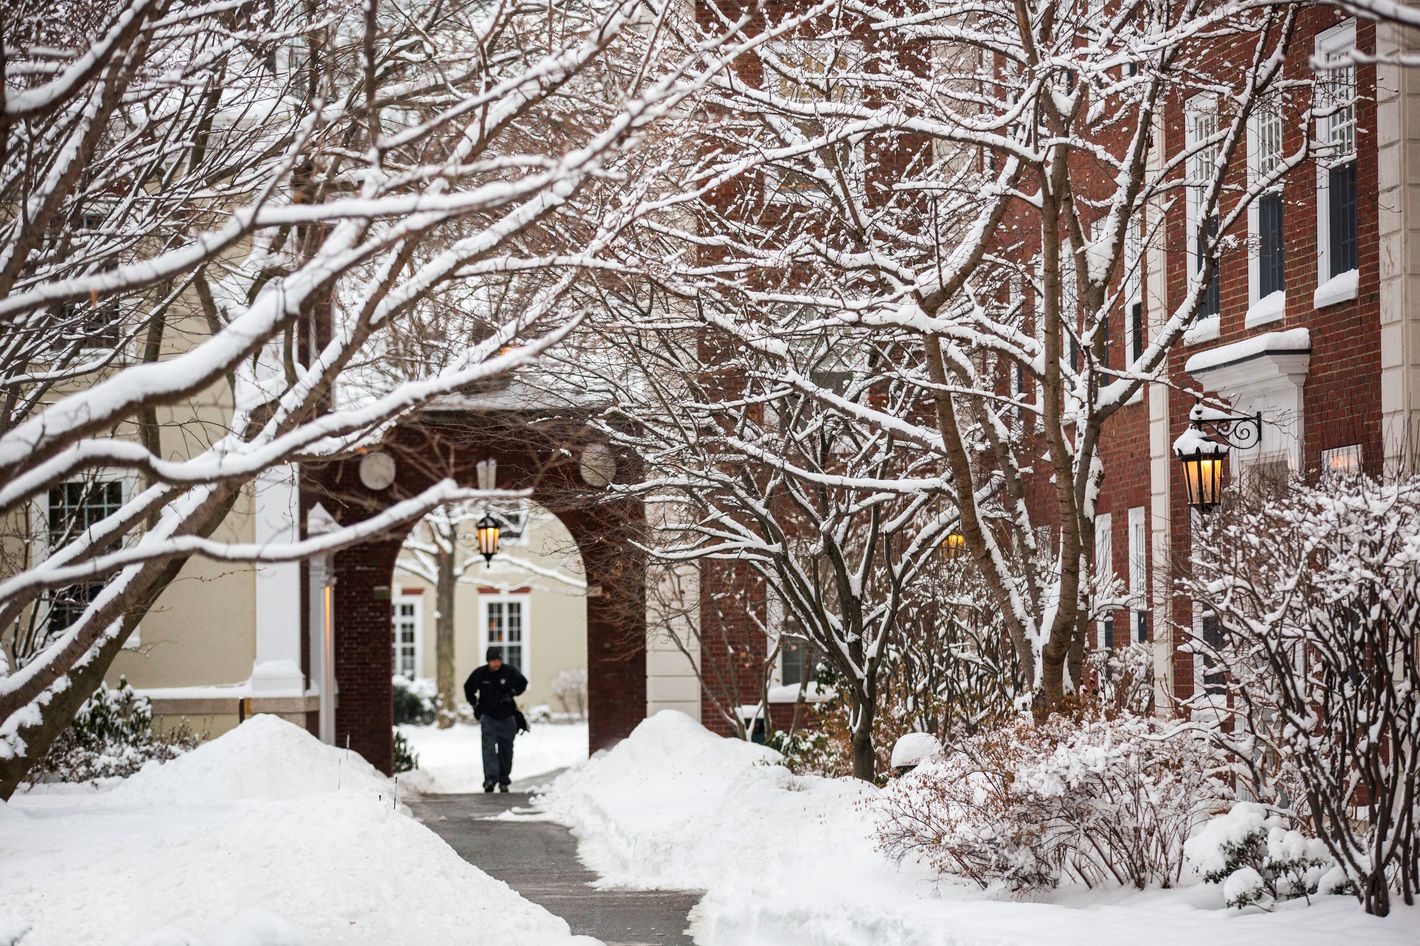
[[1262, 374]]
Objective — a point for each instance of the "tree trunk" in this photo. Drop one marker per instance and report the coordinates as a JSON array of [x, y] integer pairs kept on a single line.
[[444, 637], [864, 760], [87, 671]]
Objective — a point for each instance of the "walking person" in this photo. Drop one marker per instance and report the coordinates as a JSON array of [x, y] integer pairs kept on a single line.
[[490, 690]]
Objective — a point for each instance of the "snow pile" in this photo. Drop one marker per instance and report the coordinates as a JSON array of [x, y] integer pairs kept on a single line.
[[792, 861], [914, 748], [675, 806], [264, 758], [247, 841]]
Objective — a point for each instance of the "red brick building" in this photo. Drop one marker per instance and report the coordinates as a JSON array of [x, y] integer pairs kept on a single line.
[[1309, 324]]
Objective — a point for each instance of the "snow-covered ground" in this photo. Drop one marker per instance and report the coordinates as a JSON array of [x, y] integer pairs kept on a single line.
[[790, 861], [262, 837], [451, 760]]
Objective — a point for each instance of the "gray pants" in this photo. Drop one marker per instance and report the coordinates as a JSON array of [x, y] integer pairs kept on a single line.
[[498, 749]]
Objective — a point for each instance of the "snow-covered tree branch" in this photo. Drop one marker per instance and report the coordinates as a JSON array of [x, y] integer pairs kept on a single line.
[[219, 229]]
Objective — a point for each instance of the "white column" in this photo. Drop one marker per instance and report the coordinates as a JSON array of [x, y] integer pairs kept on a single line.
[[277, 666], [673, 630], [1398, 209], [1161, 461], [321, 584]]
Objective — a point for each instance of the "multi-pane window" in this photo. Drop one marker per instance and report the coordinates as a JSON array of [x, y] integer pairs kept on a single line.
[[1138, 575], [73, 508], [95, 323], [797, 661], [1211, 677], [504, 626], [1201, 126], [1336, 127], [406, 637], [1267, 159], [807, 72], [1104, 570], [1134, 290]]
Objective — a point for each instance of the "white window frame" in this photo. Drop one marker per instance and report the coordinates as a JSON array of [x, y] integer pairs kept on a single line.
[[1204, 328], [1332, 288], [525, 600], [1104, 562], [780, 190], [39, 524], [1261, 311], [418, 618], [1138, 569], [1134, 295], [1202, 700], [1341, 460]]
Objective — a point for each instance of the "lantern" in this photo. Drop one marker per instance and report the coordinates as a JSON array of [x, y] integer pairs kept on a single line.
[[952, 546], [1203, 475], [488, 539], [1202, 455]]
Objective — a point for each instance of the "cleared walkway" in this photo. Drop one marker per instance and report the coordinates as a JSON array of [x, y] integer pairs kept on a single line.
[[538, 859]]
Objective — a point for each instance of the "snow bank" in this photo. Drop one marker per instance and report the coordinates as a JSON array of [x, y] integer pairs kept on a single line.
[[264, 758], [675, 806], [791, 861], [247, 841]]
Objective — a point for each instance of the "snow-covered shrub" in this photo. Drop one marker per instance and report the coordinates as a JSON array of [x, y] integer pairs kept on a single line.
[[914, 748], [1124, 677], [416, 702], [951, 669], [1308, 610], [405, 758], [810, 752], [1027, 805], [111, 736], [569, 688], [541, 713], [1259, 860]]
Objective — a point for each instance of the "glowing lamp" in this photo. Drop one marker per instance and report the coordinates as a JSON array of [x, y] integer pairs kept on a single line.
[[488, 539]]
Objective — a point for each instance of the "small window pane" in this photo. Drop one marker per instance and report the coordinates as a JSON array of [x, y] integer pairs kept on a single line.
[[1341, 217], [1270, 259]]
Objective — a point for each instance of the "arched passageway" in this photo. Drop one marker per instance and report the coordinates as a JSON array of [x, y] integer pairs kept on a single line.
[[564, 465]]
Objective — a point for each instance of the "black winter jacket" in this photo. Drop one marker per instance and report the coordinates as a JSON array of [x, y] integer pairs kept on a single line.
[[491, 694]]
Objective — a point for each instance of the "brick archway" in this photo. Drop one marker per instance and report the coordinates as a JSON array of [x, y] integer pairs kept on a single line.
[[543, 456]]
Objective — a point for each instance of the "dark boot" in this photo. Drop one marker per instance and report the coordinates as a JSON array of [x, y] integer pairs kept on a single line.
[[503, 787], [488, 787]]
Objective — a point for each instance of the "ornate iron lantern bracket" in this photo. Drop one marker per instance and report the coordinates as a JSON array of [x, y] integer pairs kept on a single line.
[[1239, 431]]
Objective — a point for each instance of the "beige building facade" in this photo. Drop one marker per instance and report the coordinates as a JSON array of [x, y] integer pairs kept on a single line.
[[529, 600]]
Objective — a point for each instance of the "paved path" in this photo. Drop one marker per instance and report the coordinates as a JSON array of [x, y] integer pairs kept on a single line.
[[538, 859]]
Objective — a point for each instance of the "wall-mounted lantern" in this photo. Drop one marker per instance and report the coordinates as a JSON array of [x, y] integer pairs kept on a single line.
[[488, 539], [1204, 445]]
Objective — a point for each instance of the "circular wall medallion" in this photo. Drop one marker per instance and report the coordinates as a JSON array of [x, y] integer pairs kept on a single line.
[[377, 470], [598, 466]]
